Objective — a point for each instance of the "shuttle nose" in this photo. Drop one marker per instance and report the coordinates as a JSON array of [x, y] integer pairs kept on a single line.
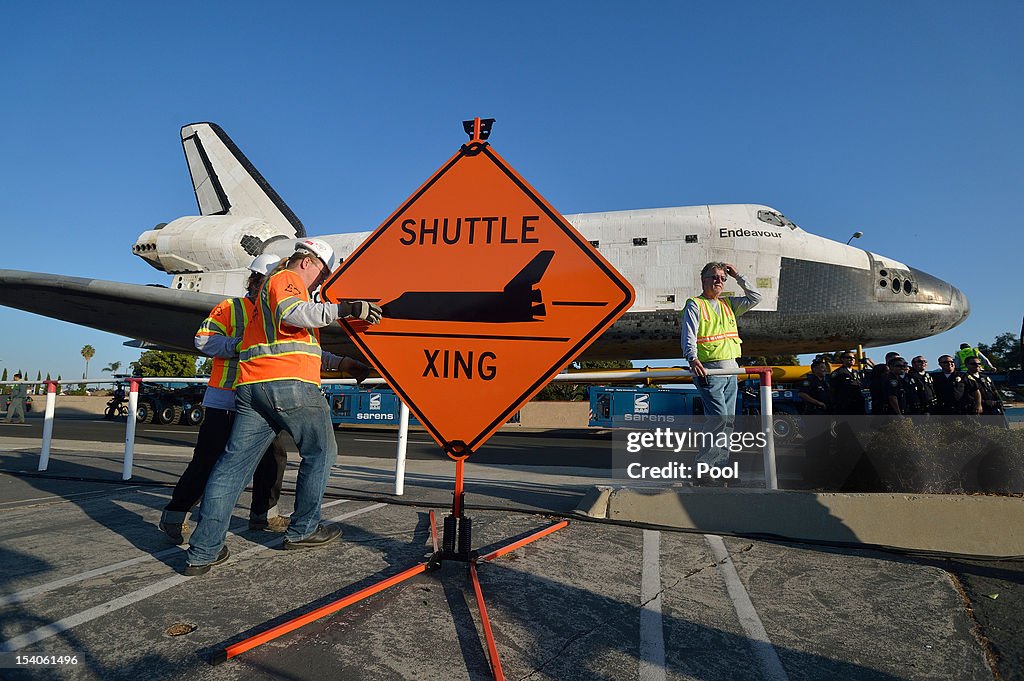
[[960, 308], [950, 304]]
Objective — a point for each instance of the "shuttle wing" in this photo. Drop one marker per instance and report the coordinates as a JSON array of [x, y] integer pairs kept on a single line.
[[161, 317], [150, 313]]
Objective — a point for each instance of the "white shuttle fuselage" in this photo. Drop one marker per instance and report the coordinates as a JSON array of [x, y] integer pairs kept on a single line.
[[817, 294]]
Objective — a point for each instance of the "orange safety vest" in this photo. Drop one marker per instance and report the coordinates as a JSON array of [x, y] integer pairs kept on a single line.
[[272, 350], [227, 318], [717, 336]]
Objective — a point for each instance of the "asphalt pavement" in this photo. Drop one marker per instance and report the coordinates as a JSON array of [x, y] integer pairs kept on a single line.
[[85, 575]]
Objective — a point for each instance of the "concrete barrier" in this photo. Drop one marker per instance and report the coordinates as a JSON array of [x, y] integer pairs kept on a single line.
[[68, 405], [974, 525], [555, 415]]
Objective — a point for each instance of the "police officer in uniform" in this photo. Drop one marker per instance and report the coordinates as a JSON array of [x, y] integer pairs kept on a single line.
[[816, 393], [914, 390], [949, 388], [919, 372], [846, 383], [895, 388], [980, 396], [816, 390], [879, 385]]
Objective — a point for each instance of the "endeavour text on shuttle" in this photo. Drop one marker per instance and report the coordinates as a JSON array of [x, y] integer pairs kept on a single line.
[[725, 233]]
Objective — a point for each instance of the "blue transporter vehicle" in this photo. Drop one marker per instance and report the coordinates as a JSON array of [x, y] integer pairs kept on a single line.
[[352, 404]]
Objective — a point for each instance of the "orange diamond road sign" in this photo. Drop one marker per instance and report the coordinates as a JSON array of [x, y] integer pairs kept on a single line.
[[487, 293]]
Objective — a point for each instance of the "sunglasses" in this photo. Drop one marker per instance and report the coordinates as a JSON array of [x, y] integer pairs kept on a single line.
[[715, 278], [974, 364]]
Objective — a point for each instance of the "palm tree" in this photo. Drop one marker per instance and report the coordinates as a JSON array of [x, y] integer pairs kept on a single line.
[[88, 352], [112, 368]]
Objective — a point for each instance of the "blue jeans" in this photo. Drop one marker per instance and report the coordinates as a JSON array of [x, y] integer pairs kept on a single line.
[[264, 409], [720, 406]]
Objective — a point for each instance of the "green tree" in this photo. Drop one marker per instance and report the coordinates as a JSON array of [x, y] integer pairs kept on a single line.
[[4, 378], [164, 363], [577, 392], [88, 352], [112, 368], [205, 367], [768, 361], [1004, 351]]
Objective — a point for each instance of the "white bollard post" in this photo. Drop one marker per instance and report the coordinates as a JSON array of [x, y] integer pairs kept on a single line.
[[129, 433], [403, 444], [771, 480], [51, 398]]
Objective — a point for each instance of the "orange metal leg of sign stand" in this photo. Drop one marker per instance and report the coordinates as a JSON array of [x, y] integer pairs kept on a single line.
[[444, 553], [302, 620], [485, 622], [460, 467], [526, 540]]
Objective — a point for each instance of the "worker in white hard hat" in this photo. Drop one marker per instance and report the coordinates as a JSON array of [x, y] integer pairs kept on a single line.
[[279, 389], [218, 337]]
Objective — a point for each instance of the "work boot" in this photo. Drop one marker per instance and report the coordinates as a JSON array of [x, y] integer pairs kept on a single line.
[[322, 535], [276, 524], [176, 532], [196, 570]]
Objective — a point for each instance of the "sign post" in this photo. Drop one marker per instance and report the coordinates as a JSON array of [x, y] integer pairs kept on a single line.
[[487, 293]]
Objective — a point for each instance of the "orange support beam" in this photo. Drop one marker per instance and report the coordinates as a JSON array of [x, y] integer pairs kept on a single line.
[[492, 648], [302, 620], [525, 540]]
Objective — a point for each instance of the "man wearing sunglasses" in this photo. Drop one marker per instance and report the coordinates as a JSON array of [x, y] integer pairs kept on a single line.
[[949, 388], [711, 340], [925, 385], [896, 388], [980, 396]]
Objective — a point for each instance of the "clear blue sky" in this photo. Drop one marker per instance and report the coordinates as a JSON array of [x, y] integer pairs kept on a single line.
[[902, 120]]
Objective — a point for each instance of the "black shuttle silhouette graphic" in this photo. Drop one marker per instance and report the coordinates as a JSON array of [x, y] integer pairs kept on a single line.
[[519, 301]]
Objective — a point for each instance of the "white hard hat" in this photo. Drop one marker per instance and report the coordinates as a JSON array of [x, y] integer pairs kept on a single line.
[[318, 248], [263, 264]]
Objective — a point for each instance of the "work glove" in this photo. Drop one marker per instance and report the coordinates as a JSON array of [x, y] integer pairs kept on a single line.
[[361, 309], [355, 369]]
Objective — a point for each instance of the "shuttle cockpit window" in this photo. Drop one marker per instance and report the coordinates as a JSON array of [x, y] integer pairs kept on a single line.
[[776, 219]]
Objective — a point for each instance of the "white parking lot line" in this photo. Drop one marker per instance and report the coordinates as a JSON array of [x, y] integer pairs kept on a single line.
[[54, 628], [652, 635], [760, 645]]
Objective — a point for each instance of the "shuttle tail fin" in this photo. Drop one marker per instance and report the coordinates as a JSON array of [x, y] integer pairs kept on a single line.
[[532, 272], [226, 182]]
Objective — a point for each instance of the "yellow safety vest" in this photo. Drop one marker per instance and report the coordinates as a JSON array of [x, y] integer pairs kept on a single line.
[[717, 337], [228, 318], [962, 356]]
